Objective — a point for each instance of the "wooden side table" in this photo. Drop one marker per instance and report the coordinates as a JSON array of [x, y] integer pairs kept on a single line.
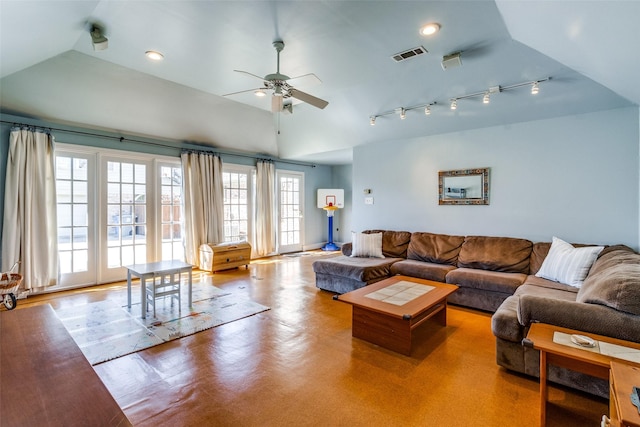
[[623, 378], [565, 356]]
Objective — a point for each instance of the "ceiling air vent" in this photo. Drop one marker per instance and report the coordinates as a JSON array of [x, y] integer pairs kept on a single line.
[[407, 54]]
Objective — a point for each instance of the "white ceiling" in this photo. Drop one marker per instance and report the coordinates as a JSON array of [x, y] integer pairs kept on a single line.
[[48, 69]]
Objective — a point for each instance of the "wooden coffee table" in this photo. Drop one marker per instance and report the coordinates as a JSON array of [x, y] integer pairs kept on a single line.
[[387, 313]]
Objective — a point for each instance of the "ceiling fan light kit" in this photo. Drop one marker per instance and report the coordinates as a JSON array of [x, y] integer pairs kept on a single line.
[[453, 102], [281, 86]]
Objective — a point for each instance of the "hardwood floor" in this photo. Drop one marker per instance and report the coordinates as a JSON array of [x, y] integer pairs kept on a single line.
[[298, 365]]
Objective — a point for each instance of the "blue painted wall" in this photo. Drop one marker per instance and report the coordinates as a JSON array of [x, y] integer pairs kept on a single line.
[[575, 177]]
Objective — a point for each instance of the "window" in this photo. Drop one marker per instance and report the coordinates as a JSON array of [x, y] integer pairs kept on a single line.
[[238, 209], [171, 212]]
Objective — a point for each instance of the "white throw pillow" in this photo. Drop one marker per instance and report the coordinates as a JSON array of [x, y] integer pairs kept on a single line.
[[566, 264], [366, 245]]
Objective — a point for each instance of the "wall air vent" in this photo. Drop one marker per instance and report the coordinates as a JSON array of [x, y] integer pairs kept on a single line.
[[407, 54]]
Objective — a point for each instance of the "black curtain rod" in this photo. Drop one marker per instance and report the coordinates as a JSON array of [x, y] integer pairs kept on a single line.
[[158, 144]]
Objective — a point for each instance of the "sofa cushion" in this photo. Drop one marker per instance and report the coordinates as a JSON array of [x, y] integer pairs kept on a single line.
[[494, 281], [539, 282], [366, 245], [436, 248], [362, 269], [504, 254], [567, 264], [422, 270], [614, 282], [538, 254], [394, 243]]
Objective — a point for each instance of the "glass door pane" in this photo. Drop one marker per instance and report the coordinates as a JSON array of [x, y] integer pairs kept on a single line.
[[171, 213], [76, 244], [290, 196], [125, 225]]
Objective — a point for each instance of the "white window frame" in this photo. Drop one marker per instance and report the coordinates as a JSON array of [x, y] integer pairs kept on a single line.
[[250, 171]]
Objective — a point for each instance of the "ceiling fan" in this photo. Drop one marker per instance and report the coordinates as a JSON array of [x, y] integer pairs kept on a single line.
[[282, 86]]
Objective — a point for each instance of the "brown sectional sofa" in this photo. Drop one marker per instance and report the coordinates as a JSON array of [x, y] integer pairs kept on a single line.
[[497, 274], [486, 269]]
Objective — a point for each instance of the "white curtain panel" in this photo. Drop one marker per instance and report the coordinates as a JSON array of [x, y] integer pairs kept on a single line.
[[29, 230], [203, 203], [265, 206]]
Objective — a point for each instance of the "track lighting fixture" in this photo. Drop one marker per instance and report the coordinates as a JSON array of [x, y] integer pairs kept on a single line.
[[485, 94], [535, 88]]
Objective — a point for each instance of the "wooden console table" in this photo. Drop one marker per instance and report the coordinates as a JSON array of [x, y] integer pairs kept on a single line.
[[565, 356], [623, 378], [45, 379]]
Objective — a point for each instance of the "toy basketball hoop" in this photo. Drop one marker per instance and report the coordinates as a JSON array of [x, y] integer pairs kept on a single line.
[[330, 200]]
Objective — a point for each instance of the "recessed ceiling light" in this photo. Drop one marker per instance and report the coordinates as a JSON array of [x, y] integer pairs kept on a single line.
[[260, 93], [430, 29], [156, 56]]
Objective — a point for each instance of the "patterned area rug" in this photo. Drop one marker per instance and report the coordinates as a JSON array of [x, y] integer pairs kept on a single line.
[[108, 329]]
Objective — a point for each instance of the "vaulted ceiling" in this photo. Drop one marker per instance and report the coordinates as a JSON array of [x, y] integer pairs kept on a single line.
[[49, 70]]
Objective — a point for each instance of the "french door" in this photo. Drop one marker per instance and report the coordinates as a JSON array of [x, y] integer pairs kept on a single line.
[[75, 173], [114, 209], [290, 202], [124, 215]]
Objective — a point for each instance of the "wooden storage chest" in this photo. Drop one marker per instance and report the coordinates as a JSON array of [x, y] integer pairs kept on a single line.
[[224, 256]]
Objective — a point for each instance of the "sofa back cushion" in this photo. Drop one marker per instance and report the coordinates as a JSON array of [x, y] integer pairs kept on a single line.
[[436, 248], [538, 254], [394, 243], [614, 281], [505, 254]]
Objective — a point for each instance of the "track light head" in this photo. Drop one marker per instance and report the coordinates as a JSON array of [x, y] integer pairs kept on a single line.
[[486, 98], [372, 120], [535, 88], [427, 110], [403, 114], [454, 104]]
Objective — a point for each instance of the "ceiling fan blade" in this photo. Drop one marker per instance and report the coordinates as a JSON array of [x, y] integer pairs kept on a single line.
[[305, 80], [309, 99], [250, 74], [244, 91], [276, 103]]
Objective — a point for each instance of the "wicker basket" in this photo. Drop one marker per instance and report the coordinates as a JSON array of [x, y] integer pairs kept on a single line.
[[10, 282]]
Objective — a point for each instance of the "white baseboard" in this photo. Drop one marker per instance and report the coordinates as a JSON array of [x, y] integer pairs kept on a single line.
[[318, 246]]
